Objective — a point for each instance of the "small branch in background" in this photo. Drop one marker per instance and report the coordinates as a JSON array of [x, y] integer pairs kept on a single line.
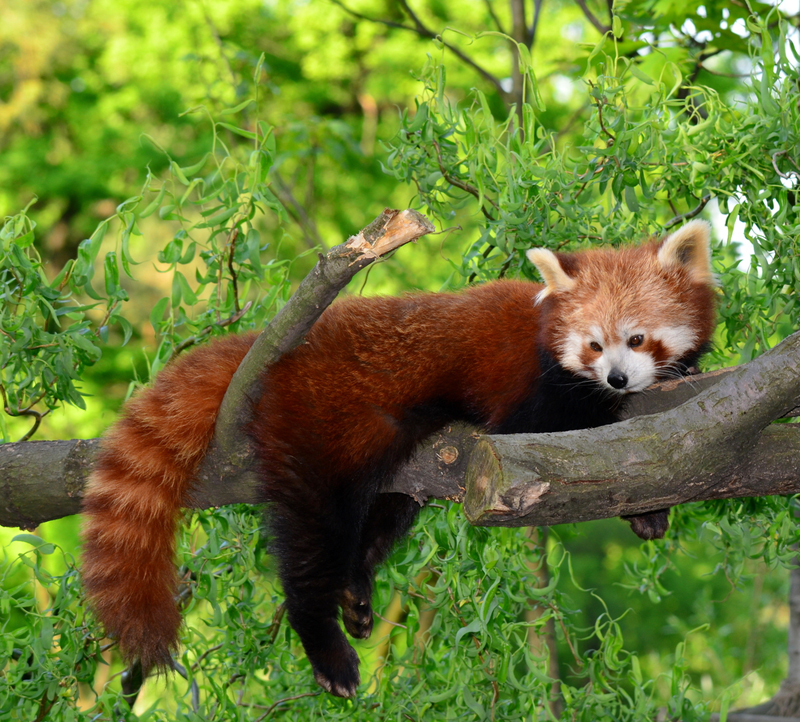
[[599, 104], [421, 30], [519, 28], [466, 187], [592, 18], [105, 318], [537, 11], [689, 214], [298, 212], [192, 340], [284, 701], [220, 45], [493, 16], [232, 243]]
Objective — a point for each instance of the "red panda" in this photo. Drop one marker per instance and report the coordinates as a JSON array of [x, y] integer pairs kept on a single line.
[[339, 414]]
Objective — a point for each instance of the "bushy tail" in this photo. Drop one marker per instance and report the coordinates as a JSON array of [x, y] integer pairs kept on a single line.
[[134, 497]]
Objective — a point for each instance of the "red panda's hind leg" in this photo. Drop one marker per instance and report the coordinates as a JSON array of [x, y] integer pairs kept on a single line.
[[389, 519]]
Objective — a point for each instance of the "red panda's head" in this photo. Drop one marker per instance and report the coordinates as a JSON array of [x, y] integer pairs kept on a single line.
[[627, 317]]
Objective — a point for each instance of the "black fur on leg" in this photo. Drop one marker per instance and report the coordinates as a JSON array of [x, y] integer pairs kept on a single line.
[[652, 525], [389, 519], [316, 544]]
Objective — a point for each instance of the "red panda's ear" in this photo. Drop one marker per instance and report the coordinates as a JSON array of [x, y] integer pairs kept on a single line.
[[690, 248], [555, 277]]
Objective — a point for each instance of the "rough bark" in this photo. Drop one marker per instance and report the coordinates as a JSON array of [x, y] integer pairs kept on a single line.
[[230, 454], [43, 480]]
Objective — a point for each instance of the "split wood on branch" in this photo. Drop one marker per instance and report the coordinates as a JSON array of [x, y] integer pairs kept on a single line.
[[704, 437]]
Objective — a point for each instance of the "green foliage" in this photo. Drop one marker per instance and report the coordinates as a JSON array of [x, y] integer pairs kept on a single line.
[[48, 339], [475, 623]]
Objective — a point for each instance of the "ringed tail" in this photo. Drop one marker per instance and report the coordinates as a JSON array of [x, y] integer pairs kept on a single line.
[[133, 500]]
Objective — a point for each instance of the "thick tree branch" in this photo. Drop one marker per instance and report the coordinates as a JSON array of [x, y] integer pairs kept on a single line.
[[42, 480], [47, 485]]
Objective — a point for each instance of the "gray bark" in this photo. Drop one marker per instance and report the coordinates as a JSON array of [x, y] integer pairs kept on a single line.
[[623, 472]]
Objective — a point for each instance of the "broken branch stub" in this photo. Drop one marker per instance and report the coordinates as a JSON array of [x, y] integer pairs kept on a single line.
[[230, 450], [639, 465]]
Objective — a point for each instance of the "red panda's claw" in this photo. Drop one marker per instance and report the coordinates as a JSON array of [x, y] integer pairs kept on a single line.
[[338, 673]]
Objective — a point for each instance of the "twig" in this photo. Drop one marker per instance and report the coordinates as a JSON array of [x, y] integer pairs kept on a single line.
[[424, 32], [44, 707], [105, 318], [286, 699], [192, 340], [778, 171], [220, 45], [28, 411], [537, 10], [199, 660], [599, 104], [493, 16], [233, 236], [472, 190], [689, 214], [298, 212], [389, 621], [592, 18], [276, 622]]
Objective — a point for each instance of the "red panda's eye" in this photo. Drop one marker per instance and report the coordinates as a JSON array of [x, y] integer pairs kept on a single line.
[[595, 346], [636, 340]]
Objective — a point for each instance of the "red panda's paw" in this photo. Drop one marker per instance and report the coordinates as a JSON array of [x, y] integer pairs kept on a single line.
[[356, 613], [652, 525], [336, 668]]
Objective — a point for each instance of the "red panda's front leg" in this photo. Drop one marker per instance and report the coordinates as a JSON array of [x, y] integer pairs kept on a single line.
[[316, 540]]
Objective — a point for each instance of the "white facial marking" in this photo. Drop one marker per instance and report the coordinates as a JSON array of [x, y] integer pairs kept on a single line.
[[571, 355], [676, 339], [638, 366]]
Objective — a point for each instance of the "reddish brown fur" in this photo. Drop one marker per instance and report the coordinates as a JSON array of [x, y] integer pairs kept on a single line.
[[628, 282], [135, 494], [350, 369]]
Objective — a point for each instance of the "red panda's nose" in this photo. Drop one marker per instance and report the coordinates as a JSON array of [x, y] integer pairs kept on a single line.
[[617, 379]]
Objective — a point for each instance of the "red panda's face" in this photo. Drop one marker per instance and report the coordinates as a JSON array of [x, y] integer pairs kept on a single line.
[[625, 355], [624, 318]]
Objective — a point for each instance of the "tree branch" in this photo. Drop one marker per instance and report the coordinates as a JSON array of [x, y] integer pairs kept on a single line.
[[64, 466], [592, 18], [42, 480], [423, 31]]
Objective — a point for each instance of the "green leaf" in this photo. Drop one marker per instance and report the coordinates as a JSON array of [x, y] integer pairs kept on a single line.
[[186, 291], [219, 218], [631, 200], [472, 628], [240, 107], [239, 131], [157, 314], [111, 272]]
